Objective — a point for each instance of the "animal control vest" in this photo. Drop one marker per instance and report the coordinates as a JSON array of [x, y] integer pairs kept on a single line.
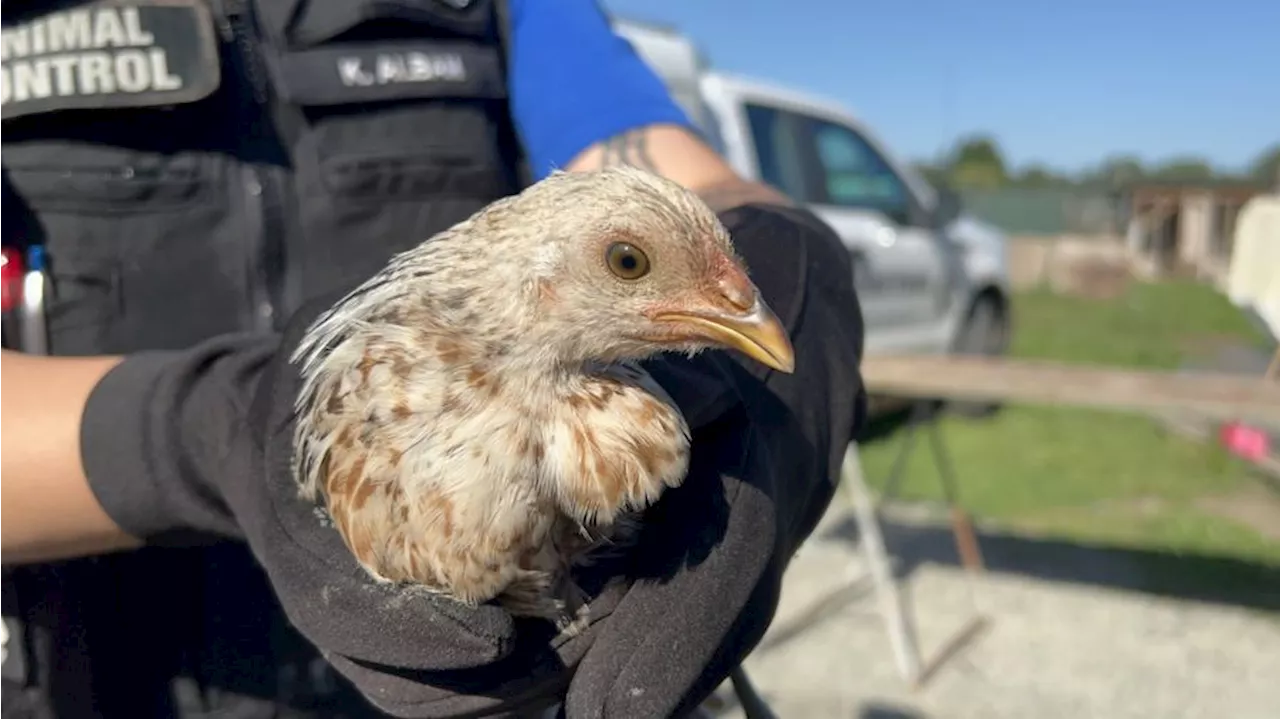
[[193, 169]]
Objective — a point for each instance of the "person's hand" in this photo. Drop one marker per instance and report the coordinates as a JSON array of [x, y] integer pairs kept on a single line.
[[182, 444], [411, 653], [208, 446], [706, 575], [766, 457]]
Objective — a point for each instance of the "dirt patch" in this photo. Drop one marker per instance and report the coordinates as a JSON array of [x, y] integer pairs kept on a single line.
[[1207, 346], [1096, 278], [1254, 506]]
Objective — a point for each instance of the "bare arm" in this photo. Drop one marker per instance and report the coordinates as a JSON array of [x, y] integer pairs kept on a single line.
[[49, 511], [679, 155], [102, 453]]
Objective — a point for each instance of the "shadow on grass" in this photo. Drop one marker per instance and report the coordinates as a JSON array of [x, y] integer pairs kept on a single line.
[[1206, 578], [1202, 578], [884, 424], [893, 417]]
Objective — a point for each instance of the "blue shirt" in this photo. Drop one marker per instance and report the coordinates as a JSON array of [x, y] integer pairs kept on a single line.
[[574, 82]]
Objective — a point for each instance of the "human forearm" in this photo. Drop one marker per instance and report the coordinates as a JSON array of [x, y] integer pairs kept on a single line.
[[49, 510], [104, 453], [677, 154]]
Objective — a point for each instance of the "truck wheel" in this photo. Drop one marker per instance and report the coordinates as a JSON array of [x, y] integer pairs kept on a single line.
[[985, 332]]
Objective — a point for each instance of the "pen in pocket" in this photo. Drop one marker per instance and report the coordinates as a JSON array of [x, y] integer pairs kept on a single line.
[[32, 323]]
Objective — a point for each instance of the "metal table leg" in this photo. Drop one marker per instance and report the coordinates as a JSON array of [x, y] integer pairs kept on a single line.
[[902, 639], [898, 621]]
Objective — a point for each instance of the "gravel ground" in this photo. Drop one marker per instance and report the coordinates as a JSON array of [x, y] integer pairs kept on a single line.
[[1053, 648]]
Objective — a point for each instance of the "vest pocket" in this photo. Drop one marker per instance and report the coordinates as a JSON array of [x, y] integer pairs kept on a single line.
[[388, 154], [379, 181], [419, 152], [129, 237], [396, 118], [390, 100]]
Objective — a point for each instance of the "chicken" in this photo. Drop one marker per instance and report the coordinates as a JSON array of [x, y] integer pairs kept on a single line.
[[473, 416]]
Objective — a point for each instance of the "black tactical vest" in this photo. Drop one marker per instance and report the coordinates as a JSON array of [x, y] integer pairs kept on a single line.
[[194, 169]]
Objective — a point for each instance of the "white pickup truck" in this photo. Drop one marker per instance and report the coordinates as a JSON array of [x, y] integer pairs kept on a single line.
[[930, 278]]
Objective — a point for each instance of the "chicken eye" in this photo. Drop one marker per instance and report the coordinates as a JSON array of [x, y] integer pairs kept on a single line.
[[627, 261]]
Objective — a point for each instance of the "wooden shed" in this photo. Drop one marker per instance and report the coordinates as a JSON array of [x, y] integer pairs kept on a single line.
[[1185, 228]]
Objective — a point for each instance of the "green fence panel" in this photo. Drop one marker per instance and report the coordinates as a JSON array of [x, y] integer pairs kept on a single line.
[[1026, 211]]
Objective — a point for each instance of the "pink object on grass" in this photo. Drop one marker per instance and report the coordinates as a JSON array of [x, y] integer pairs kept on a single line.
[[1244, 441]]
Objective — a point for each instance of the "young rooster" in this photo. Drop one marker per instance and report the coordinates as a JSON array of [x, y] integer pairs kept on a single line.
[[472, 415]]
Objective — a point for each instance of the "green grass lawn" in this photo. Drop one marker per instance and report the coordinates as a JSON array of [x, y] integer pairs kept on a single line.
[[1104, 477], [1152, 326]]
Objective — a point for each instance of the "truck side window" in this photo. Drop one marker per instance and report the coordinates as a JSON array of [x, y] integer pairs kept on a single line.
[[856, 175], [777, 137]]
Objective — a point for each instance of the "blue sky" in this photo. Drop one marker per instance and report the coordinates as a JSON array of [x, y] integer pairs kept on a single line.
[[1065, 82]]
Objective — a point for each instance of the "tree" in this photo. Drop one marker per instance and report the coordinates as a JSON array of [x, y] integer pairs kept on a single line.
[[932, 173], [977, 163], [1185, 169], [1266, 169], [1039, 176], [1116, 171]]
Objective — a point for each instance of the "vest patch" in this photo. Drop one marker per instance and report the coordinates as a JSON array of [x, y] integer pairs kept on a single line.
[[109, 54]]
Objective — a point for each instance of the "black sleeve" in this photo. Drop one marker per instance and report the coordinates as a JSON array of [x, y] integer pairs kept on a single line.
[[160, 430], [805, 273]]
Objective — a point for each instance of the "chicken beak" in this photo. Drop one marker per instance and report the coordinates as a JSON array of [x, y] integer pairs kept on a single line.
[[758, 333]]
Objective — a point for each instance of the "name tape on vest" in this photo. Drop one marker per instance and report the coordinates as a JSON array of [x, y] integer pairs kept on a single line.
[[412, 66], [109, 55], [391, 70]]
